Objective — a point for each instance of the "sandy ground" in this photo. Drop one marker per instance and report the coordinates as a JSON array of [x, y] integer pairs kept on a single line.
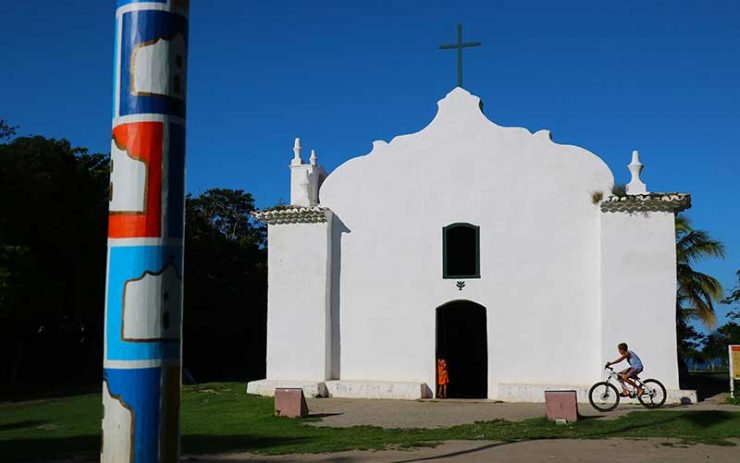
[[561, 451], [445, 413], [424, 413], [435, 413]]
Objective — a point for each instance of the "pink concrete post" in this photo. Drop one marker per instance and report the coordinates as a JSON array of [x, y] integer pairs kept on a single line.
[[290, 402], [561, 405]]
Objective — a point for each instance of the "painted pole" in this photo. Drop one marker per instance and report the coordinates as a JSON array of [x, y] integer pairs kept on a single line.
[[143, 301]]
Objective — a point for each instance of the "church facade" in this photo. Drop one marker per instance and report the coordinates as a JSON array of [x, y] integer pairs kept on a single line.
[[495, 248]]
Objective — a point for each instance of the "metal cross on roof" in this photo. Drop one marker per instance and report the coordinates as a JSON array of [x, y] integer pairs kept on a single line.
[[459, 46]]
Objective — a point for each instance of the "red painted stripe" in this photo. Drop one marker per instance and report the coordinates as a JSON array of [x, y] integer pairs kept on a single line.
[[143, 141]]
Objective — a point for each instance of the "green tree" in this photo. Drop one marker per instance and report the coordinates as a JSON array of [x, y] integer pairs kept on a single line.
[[734, 297], [716, 342], [53, 208], [715, 345], [225, 287], [690, 341], [697, 291], [7, 131], [53, 229]]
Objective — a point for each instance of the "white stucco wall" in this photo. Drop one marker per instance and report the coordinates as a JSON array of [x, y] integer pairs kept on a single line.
[[299, 291], [540, 237], [639, 290]]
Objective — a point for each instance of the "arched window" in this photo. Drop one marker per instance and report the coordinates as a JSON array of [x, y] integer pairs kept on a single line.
[[461, 251]]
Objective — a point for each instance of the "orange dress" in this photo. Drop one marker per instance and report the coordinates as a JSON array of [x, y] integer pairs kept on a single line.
[[442, 374]]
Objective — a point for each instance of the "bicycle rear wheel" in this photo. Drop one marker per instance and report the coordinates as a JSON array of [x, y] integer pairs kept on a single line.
[[603, 396], [654, 395]]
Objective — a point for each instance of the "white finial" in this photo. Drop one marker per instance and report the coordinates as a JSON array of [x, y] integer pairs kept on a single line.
[[313, 157], [297, 161], [636, 186]]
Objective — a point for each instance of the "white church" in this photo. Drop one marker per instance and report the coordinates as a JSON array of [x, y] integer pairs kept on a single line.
[[495, 248]]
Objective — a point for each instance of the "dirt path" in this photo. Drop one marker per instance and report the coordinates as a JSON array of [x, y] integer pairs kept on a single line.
[[435, 413], [445, 413], [561, 451]]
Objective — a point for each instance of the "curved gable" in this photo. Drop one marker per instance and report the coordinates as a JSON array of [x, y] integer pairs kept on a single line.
[[459, 150]]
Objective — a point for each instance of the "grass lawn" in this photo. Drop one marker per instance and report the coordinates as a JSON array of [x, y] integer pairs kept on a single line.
[[220, 417]]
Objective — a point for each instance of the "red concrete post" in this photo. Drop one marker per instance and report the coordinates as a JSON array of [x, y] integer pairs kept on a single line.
[[290, 402], [561, 405]]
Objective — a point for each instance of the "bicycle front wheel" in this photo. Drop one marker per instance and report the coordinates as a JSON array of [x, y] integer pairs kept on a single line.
[[603, 396], [654, 394]]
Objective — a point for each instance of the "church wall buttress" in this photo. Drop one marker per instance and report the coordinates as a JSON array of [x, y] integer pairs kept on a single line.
[[639, 290], [299, 294]]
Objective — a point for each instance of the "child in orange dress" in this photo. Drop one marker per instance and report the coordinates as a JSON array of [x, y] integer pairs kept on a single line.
[[442, 378]]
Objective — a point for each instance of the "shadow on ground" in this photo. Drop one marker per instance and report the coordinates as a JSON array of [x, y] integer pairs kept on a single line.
[[28, 450], [324, 415], [709, 418], [87, 448], [203, 444], [458, 453], [706, 385], [21, 425]]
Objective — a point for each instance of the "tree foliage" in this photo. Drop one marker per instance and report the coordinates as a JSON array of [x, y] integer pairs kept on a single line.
[[734, 296], [715, 345], [697, 291], [6, 130], [53, 229], [225, 287], [690, 341], [53, 203]]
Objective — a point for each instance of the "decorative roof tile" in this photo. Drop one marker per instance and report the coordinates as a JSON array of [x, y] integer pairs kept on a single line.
[[292, 214], [647, 202]]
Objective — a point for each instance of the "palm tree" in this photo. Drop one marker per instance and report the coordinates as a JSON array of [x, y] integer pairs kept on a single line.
[[696, 291]]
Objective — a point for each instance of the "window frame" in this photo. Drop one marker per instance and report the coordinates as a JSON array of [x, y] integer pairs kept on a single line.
[[445, 230]]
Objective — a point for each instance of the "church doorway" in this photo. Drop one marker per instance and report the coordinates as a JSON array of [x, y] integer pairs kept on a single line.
[[462, 342]]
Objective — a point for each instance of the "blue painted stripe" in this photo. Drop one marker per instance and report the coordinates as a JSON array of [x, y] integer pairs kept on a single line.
[[129, 263], [147, 26], [139, 390], [116, 54]]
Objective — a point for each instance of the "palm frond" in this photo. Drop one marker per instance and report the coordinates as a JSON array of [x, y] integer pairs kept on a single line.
[[701, 308], [696, 291], [685, 315], [690, 280], [683, 224], [695, 245]]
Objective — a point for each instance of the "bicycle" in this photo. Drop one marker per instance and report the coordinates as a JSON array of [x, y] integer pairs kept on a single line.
[[604, 395]]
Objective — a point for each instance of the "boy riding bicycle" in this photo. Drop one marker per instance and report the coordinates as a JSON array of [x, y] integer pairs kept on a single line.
[[626, 375]]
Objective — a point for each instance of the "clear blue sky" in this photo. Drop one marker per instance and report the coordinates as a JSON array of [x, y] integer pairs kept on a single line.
[[659, 76]]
